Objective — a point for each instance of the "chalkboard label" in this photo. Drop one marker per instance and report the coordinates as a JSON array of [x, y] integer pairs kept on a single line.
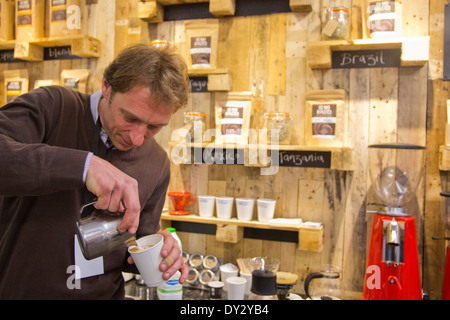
[[198, 84], [380, 58], [447, 43], [219, 156], [59, 53], [305, 159], [7, 55]]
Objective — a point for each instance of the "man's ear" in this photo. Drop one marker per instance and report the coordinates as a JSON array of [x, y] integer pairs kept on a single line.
[[106, 90]]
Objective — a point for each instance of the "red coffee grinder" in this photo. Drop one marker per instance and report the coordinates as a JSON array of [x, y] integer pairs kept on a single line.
[[392, 270], [446, 219]]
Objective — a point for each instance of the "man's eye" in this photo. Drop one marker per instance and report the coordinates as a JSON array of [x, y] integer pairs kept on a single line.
[[129, 119]]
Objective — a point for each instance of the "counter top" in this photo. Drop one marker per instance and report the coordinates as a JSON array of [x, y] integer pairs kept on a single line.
[[136, 291]]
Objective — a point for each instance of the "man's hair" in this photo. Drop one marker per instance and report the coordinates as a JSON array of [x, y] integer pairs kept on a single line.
[[162, 70]]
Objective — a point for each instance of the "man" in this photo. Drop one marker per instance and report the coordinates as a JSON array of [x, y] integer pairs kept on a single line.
[[60, 149]]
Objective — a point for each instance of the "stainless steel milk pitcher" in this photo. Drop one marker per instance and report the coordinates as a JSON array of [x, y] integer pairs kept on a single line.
[[98, 234]]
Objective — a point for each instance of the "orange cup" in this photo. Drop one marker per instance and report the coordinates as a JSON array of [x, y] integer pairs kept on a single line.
[[181, 199]]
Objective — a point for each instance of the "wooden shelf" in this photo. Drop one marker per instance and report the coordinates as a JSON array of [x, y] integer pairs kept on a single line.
[[414, 50], [310, 238], [233, 221], [81, 45], [336, 158], [153, 11]]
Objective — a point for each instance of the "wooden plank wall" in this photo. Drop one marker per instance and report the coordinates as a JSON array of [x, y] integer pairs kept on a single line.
[[267, 55]]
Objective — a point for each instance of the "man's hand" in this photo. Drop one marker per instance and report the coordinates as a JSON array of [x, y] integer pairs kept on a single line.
[[114, 190], [173, 260]]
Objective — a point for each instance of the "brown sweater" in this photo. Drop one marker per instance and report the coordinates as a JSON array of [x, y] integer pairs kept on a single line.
[[45, 136]]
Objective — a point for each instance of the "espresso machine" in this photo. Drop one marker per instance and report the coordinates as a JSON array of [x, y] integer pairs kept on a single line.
[[446, 219], [392, 270]]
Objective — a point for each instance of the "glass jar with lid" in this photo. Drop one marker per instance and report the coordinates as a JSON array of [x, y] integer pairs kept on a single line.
[[197, 127], [337, 24], [278, 125]]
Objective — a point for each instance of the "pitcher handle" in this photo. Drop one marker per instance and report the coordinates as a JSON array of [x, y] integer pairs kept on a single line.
[[309, 277], [193, 200], [84, 206]]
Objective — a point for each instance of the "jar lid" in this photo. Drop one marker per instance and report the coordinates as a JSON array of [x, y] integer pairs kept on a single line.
[[159, 42], [194, 114], [278, 115], [336, 9]]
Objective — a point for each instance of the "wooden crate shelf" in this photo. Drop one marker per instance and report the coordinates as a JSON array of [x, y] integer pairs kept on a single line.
[[218, 79], [415, 50], [152, 11], [444, 158], [81, 45]]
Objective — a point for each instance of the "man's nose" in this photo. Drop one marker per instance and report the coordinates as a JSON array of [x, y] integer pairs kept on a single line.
[[137, 137]]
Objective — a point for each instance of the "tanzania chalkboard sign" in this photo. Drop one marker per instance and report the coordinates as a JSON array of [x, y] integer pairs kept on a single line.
[[379, 58], [198, 84], [305, 159], [59, 53]]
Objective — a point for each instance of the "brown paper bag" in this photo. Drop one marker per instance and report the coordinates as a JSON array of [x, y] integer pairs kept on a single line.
[[64, 17], [29, 19], [326, 118], [6, 20], [75, 79], [16, 83], [233, 117], [201, 40]]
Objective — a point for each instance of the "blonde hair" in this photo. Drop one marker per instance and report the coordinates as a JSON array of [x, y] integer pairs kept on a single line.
[[161, 69]]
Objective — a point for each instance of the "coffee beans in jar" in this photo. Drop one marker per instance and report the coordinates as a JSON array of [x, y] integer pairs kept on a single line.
[[278, 125], [197, 125]]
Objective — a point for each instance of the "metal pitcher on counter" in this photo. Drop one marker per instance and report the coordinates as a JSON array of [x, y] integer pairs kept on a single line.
[[98, 234]]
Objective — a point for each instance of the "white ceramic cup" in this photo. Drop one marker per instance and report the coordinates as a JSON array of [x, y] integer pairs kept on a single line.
[[206, 205], [236, 288], [266, 209], [148, 260], [244, 208], [224, 207], [227, 270], [248, 285]]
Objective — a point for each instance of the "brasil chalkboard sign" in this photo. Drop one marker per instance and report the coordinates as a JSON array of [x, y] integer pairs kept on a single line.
[[379, 58]]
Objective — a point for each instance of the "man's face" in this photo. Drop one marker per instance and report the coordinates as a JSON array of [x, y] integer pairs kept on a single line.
[[131, 118]]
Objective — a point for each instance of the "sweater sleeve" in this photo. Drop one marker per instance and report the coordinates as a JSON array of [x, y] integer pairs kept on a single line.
[[29, 165]]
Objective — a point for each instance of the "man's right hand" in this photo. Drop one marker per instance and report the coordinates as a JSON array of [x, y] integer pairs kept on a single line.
[[114, 189]]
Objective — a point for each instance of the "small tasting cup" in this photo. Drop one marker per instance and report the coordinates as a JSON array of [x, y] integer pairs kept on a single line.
[[206, 205], [148, 260], [266, 209], [224, 207], [244, 208]]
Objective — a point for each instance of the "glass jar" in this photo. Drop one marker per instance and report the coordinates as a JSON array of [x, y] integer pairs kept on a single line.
[[197, 125], [337, 24], [278, 125]]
